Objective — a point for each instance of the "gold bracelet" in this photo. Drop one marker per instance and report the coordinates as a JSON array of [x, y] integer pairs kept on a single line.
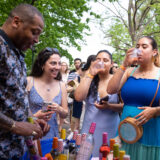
[[123, 68], [90, 76]]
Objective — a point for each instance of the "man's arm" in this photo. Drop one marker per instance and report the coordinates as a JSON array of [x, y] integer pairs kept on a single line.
[[6, 122]]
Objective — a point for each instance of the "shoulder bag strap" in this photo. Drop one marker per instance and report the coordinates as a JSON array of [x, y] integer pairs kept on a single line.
[[155, 94]]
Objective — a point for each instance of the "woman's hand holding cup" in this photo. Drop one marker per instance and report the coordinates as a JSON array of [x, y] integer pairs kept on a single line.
[[131, 57], [96, 67]]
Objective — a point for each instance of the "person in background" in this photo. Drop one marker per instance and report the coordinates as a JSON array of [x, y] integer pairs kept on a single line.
[[138, 86], [74, 75], [84, 71], [20, 31], [91, 89], [64, 73], [47, 93], [114, 68], [89, 62]]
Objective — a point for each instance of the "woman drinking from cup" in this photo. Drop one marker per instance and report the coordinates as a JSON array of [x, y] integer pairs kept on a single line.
[[92, 89], [140, 93]]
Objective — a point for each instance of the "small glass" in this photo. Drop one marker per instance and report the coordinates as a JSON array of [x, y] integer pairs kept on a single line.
[[100, 65], [135, 53]]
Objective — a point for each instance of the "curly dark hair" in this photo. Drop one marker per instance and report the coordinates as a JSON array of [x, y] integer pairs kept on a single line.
[[93, 90], [41, 59]]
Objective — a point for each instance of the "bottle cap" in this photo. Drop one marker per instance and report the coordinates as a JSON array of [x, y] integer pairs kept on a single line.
[[121, 154], [83, 137], [30, 120], [75, 134], [60, 145], [44, 158], [78, 139], [116, 150], [126, 157], [63, 134], [92, 128], [55, 143], [112, 142], [104, 137], [48, 155]]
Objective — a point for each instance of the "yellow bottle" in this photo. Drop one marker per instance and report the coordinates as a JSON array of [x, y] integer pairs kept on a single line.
[[121, 154]]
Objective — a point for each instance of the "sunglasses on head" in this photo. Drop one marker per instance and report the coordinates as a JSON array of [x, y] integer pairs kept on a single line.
[[51, 49]]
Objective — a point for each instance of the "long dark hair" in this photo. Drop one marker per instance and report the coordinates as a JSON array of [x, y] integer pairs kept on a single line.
[[93, 90], [90, 59], [41, 59]]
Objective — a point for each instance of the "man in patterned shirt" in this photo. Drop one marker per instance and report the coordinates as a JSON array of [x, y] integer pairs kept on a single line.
[[19, 32]]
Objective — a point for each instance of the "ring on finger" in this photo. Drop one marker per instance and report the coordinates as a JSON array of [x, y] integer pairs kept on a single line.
[[34, 133]]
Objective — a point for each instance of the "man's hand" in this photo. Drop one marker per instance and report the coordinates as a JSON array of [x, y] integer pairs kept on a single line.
[[28, 129], [44, 126]]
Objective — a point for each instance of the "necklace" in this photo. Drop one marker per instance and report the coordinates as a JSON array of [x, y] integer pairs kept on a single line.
[[48, 89]]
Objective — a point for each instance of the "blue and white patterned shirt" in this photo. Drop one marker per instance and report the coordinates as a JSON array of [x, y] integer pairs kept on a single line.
[[13, 96]]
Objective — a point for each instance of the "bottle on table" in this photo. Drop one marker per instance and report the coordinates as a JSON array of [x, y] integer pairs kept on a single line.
[[31, 144], [126, 157], [104, 149], [54, 151], [116, 150], [110, 155], [83, 137], [86, 148], [48, 156], [75, 151], [65, 143], [72, 143], [61, 154], [121, 154], [44, 158]]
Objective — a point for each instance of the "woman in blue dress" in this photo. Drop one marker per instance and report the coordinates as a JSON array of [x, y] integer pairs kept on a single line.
[[138, 86], [93, 87], [45, 86]]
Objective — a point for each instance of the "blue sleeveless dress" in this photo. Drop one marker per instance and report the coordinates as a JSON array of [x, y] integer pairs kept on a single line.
[[138, 93], [106, 121], [36, 103]]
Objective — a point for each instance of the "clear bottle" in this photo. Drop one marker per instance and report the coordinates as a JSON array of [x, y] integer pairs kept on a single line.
[[75, 151], [86, 148], [104, 149], [54, 151], [83, 137]]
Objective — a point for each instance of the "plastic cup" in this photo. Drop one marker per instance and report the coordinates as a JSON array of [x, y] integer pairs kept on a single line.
[[135, 53], [100, 65]]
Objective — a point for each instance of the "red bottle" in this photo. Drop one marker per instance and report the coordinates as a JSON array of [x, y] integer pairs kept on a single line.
[[104, 149]]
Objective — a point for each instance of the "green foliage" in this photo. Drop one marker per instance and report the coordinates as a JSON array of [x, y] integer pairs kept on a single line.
[[130, 23], [63, 25]]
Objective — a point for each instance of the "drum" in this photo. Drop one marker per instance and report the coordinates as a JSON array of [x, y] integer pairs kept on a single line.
[[129, 131]]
